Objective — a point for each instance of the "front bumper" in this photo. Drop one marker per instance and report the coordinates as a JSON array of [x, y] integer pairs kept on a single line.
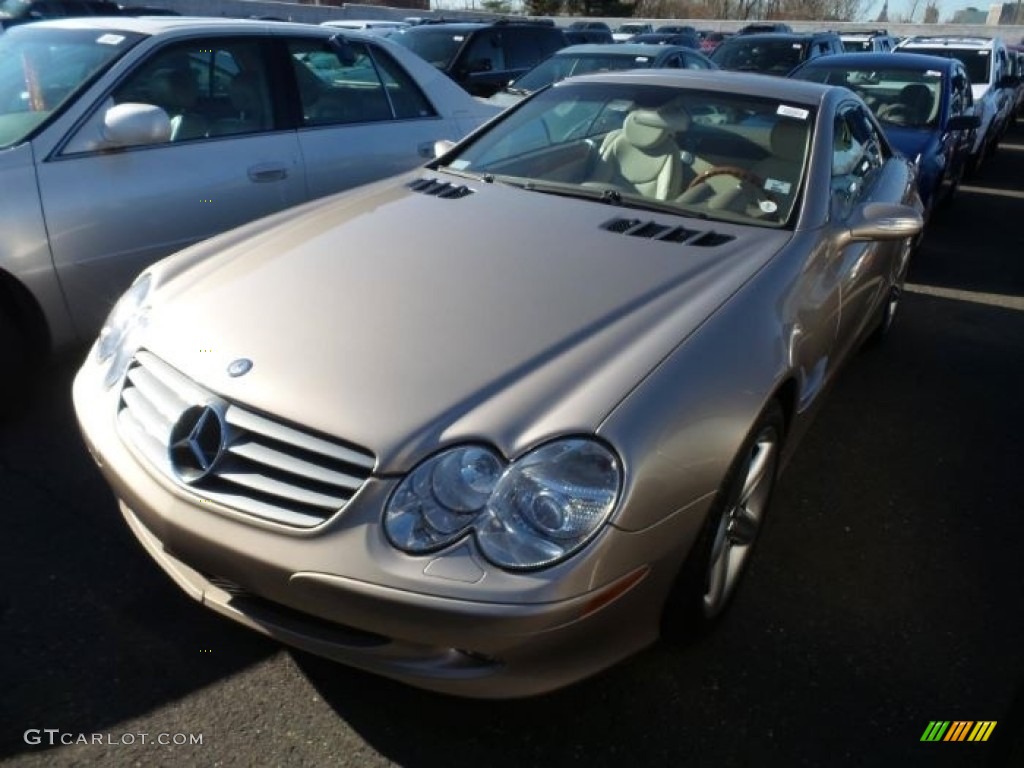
[[448, 623]]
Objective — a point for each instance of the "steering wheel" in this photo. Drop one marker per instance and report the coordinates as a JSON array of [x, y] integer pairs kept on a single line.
[[753, 185], [731, 170]]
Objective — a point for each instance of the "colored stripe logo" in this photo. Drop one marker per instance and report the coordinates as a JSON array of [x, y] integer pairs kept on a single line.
[[958, 730]]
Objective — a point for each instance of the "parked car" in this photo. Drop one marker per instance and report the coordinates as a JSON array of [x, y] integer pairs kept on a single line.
[[124, 139], [709, 41], [774, 53], [764, 27], [675, 29], [925, 107], [495, 463], [986, 61], [482, 58], [369, 26], [15, 12], [868, 41], [624, 32], [581, 36], [685, 39], [584, 59]]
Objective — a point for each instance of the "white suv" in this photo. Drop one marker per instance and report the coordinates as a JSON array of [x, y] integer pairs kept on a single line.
[[987, 64]]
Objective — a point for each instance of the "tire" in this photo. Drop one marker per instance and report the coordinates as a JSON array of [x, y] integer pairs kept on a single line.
[[18, 369], [887, 314], [708, 580]]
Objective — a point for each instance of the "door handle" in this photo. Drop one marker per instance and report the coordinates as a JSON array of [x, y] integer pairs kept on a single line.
[[267, 172]]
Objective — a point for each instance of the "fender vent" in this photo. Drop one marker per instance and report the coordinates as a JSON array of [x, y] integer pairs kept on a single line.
[[652, 230], [438, 188]]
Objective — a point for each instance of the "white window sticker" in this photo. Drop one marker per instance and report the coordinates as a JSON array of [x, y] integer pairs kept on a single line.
[[777, 185], [458, 38], [983, 53], [110, 39], [768, 206], [787, 111], [641, 59]]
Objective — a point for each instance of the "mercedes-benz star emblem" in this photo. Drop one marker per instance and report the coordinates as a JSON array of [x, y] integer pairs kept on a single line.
[[240, 367], [197, 442]]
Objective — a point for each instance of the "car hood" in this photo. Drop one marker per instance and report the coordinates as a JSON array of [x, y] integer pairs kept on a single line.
[[401, 320]]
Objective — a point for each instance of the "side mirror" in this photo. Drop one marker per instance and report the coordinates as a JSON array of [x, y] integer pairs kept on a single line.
[[129, 125], [442, 147], [963, 123], [881, 221]]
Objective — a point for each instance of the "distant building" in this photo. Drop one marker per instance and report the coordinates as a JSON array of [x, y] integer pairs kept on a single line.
[[1005, 13]]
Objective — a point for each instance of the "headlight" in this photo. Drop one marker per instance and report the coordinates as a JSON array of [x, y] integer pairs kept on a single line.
[[118, 339], [534, 512]]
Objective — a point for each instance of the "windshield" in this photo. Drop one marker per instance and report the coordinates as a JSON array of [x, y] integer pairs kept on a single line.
[[903, 97], [976, 63], [652, 146], [775, 57], [438, 46], [42, 69], [560, 67]]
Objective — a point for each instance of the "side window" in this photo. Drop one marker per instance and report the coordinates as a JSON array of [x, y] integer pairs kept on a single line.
[[407, 100], [341, 91], [857, 153], [522, 49], [208, 88], [485, 53], [956, 95]]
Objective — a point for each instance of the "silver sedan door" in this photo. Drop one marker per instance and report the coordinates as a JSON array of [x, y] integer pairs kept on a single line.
[[111, 211], [363, 116]]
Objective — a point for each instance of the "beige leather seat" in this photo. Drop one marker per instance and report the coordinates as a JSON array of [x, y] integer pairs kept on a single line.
[[643, 157], [781, 170]]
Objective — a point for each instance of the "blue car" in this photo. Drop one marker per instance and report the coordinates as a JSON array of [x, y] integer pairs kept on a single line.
[[923, 103]]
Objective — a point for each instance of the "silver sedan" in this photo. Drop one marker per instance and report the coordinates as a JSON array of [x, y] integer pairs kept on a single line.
[[123, 140], [494, 458]]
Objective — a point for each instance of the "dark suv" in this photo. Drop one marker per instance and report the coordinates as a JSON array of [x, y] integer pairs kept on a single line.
[[13, 12], [482, 58], [775, 53], [868, 41]]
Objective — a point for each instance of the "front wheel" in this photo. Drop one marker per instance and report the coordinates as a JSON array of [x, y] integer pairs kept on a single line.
[[722, 553], [17, 369]]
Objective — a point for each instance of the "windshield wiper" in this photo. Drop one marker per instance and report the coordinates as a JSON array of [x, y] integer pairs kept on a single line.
[[607, 195]]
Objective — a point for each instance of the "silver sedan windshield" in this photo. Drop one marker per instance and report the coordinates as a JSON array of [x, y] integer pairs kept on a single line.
[[716, 155], [42, 68]]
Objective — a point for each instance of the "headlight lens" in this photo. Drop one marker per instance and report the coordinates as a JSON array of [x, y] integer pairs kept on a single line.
[[532, 513], [118, 339]]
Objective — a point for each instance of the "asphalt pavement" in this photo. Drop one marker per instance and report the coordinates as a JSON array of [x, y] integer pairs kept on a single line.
[[885, 595]]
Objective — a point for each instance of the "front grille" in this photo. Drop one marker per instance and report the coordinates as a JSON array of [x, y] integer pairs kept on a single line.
[[264, 468]]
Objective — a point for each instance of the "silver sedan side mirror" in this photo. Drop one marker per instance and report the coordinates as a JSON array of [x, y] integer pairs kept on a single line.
[[129, 125]]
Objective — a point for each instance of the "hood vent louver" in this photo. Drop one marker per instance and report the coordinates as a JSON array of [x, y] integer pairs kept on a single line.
[[438, 188], [652, 230]]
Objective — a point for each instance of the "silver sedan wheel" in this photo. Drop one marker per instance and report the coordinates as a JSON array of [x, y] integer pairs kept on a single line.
[[741, 520]]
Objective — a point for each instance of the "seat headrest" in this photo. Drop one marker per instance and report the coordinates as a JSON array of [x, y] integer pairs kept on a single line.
[[645, 128], [788, 140], [917, 95]]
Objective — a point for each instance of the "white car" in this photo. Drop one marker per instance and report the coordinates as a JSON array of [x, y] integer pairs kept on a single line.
[[125, 139], [987, 64]]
